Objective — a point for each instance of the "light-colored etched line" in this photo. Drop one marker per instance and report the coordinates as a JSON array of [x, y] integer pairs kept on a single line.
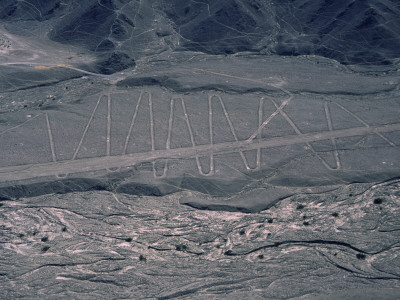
[[99, 163], [153, 146], [260, 118], [189, 127], [120, 202], [168, 142], [187, 122], [51, 141], [211, 133], [132, 124], [108, 125], [15, 127], [151, 123], [210, 119], [58, 66], [333, 140], [170, 122], [165, 170], [87, 128], [269, 119], [297, 130], [15, 173], [232, 130], [364, 123]]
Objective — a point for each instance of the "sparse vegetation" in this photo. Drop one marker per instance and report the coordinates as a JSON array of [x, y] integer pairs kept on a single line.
[[4, 44], [181, 247], [142, 257], [361, 256], [300, 207], [228, 252]]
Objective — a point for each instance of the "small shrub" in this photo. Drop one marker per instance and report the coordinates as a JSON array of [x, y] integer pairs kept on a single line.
[[300, 207], [360, 256], [142, 258], [181, 247]]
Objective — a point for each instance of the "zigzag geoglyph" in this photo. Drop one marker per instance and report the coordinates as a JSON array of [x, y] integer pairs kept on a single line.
[[254, 142]]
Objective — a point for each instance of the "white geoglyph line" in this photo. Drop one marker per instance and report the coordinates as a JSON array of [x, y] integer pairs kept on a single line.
[[170, 122], [15, 127], [151, 122], [107, 162], [232, 130], [297, 130], [108, 150], [132, 124], [86, 128], [260, 118], [269, 119], [51, 141], [152, 137], [211, 133], [333, 140], [364, 123], [189, 127]]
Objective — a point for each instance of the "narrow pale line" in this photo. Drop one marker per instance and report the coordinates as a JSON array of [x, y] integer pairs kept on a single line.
[[187, 122], [108, 125], [87, 128], [15, 127], [329, 119], [168, 142], [164, 174], [260, 118], [200, 169], [53, 153], [365, 123], [232, 130], [237, 77], [153, 147], [170, 121], [210, 119], [297, 130], [269, 119], [132, 124], [120, 202], [210, 127], [151, 122]]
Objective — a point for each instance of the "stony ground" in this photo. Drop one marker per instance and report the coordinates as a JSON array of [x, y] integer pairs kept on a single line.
[[103, 245]]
